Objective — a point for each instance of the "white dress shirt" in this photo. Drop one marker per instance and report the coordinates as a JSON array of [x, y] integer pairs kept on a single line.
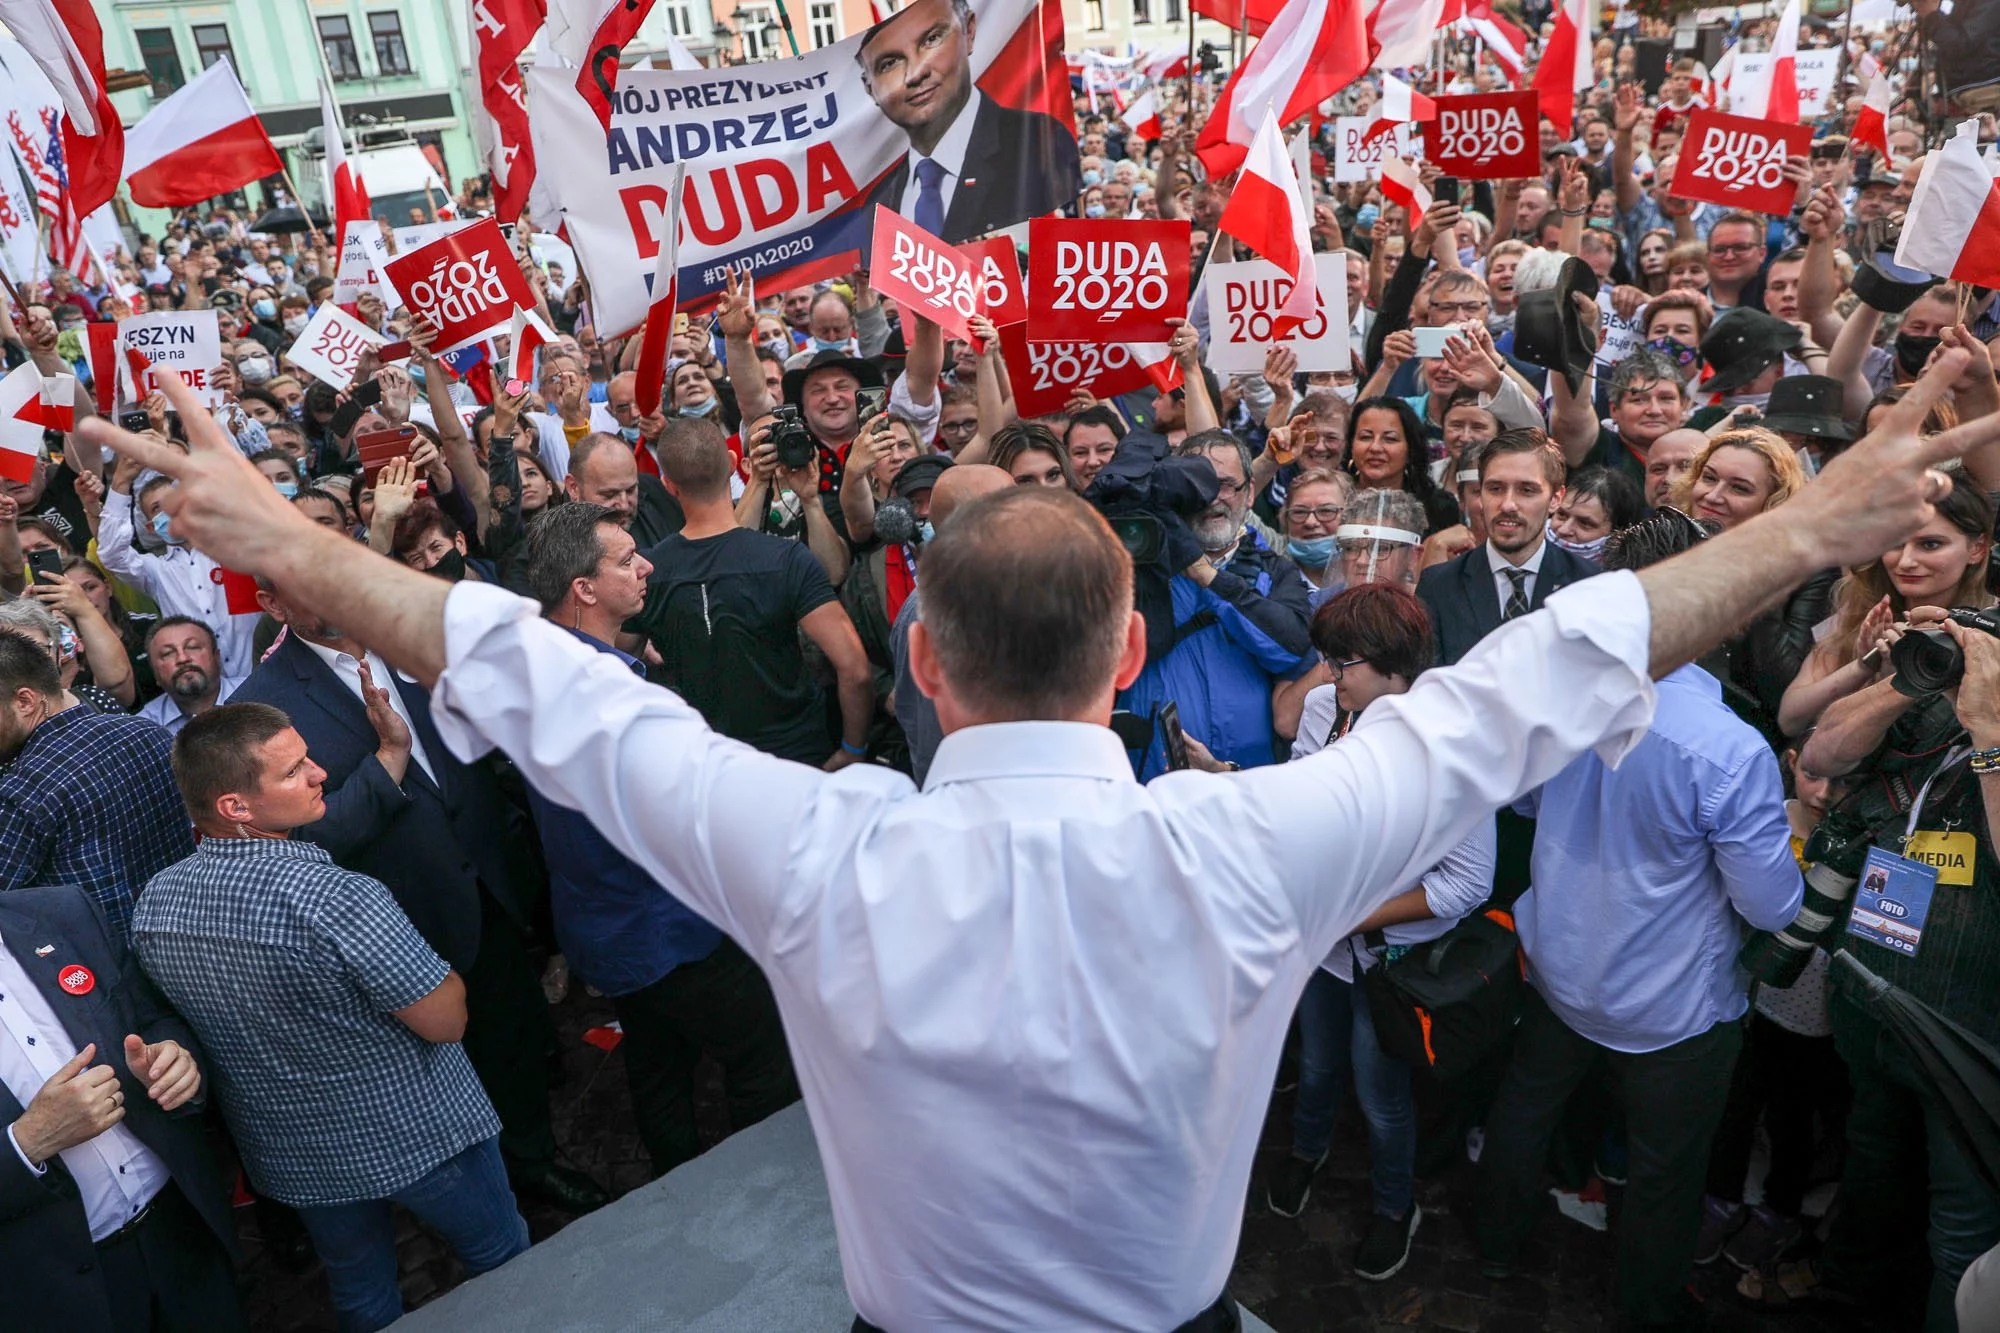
[[182, 580], [115, 1174], [950, 154], [348, 669], [165, 710], [1037, 1007], [1503, 587]]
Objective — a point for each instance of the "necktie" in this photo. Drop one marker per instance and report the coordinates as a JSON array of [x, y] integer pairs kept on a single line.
[[930, 199], [1517, 599]]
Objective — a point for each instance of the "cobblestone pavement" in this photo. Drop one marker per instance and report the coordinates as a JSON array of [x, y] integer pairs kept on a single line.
[[1294, 1272]]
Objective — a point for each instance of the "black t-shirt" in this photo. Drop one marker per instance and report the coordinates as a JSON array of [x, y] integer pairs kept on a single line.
[[61, 508], [723, 612]]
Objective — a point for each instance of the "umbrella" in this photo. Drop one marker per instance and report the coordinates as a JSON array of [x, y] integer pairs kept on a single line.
[[286, 218], [1963, 1071]]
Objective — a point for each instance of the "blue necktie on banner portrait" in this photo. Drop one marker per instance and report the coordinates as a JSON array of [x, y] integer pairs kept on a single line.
[[930, 199]]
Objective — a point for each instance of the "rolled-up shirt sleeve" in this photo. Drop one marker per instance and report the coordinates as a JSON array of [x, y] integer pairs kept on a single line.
[[1360, 821], [716, 821]]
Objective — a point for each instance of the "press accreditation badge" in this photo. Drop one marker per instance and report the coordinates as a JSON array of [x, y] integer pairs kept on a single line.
[[1950, 854], [1892, 900]]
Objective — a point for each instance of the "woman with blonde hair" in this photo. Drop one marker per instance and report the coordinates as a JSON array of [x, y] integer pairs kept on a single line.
[[1739, 475], [1911, 587]]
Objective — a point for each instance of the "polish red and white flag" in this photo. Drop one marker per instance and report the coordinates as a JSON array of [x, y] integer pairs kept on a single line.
[[1781, 103], [1872, 125], [526, 335], [64, 39], [501, 31], [343, 181], [1565, 67], [1143, 117], [1508, 44], [1313, 49], [1166, 63], [1402, 185], [1157, 360], [1400, 105], [1266, 213], [655, 342], [1952, 226], [202, 141], [20, 423]]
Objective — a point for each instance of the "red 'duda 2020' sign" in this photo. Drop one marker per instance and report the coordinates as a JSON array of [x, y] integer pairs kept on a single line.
[[1111, 281], [1738, 162], [1488, 136]]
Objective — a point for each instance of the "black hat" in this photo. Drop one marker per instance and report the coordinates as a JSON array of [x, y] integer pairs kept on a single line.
[[1807, 405], [864, 372], [1549, 330], [1741, 344], [1889, 287], [919, 474]]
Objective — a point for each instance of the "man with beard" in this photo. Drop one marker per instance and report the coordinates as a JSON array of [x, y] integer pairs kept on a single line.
[[1516, 569], [183, 655], [1241, 616]]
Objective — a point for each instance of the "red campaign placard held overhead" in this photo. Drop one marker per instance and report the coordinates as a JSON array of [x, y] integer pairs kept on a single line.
[[1106, 281], [1739, 162], [1002, 297], [1488, 136], [931, 279], [466, 283], [1045, 375]]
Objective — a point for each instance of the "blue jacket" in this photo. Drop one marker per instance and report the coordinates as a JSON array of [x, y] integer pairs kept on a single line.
[[620, 929], [1234, 639]]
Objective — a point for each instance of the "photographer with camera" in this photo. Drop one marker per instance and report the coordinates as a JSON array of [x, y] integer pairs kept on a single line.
[[1921, 748], [782, 501]]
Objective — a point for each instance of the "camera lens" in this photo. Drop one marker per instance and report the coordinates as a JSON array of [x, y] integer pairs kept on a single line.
[[1926, 661]]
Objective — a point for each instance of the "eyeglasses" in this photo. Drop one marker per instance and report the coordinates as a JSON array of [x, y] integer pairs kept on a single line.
[[957, 427], [1450, 310], [1224, 487], [1734, 249], [1325, 515], [1339, 669]]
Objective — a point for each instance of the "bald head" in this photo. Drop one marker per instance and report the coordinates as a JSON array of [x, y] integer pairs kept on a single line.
[[1668, 460], [1027, 611], [967, 481]]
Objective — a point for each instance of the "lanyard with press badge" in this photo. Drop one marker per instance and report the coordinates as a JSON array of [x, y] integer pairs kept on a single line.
[[1893, 899]]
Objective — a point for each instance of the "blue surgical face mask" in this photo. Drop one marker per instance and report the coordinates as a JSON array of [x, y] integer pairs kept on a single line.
[[1093, 210], [925, 531], [629, 434], [160, 524], [700, 409], [1366, 216], [1312, 552], [1602, 224], [778, 346], [288, 489], [1091, 178], [822, 345], [296, 411], [264, 309], [1591, 550]]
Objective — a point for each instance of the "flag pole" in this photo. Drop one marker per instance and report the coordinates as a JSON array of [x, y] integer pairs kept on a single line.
[[1187, 117]]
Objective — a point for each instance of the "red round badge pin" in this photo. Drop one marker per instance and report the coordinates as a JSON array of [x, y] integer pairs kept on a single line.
[[76, 979]]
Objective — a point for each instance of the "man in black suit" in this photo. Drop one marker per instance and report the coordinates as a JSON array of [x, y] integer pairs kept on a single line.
[[443, 838], [973, 164], [113, 1214], [1516, 568]]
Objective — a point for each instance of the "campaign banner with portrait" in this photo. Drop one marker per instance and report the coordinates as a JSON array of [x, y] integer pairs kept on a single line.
[[954, 113]]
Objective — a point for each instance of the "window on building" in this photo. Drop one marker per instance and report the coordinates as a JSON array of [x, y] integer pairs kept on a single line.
[[211, 43], [391, 56], [1142, 11], [161, 58], [336, 36], [680, 19], [1173, 11], [825, 15], [760, 32], [1093, 15]]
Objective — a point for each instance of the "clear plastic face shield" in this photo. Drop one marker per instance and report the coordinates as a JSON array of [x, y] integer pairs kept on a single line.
[[1376, 543]]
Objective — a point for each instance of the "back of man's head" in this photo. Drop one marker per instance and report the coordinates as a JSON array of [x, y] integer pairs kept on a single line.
[[1649, 541], [220, 751], [694, 458], [564, 545], [1027, 595], [26, 665], [962, 483]]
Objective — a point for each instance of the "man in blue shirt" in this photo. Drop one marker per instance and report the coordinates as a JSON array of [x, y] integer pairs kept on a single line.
[[1643, 879], [680, 987], [333, 1027]]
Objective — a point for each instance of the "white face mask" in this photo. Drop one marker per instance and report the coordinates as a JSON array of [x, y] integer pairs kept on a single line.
[[1345, 392]]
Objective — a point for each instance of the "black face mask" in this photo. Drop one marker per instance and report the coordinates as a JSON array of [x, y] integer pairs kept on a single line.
[[1913, 350], [450, 567]]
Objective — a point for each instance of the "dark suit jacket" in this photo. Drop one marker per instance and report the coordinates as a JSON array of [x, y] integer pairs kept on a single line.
[[659, 515], [1465, 604], [52, 1276], [1019, 164], [432, 843]]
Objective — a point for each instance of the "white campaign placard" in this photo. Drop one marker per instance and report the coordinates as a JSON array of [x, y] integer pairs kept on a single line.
[[1241, 301], [187, 341], [1356, 161], [363, 256], [331, 345], [1750, 84]]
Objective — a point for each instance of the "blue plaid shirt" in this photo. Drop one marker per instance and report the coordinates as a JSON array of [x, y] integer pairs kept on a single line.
[[290, 970], [91, 800]]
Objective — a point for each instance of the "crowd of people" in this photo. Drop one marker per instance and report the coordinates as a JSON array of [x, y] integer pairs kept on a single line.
[[248, 837]]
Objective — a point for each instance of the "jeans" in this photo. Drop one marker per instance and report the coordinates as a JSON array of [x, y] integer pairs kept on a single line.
[[1672, 1100], [1336, 1036], [467, 1200], [1904, 1177]]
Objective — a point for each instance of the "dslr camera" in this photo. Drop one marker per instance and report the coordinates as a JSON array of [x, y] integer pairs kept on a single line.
[[1151, 499], [1929, 661], [791, 439]]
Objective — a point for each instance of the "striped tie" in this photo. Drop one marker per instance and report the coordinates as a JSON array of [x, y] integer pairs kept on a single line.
[[1517, 599]]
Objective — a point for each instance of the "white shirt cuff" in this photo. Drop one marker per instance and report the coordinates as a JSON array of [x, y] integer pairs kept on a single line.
[[15, 1143]]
